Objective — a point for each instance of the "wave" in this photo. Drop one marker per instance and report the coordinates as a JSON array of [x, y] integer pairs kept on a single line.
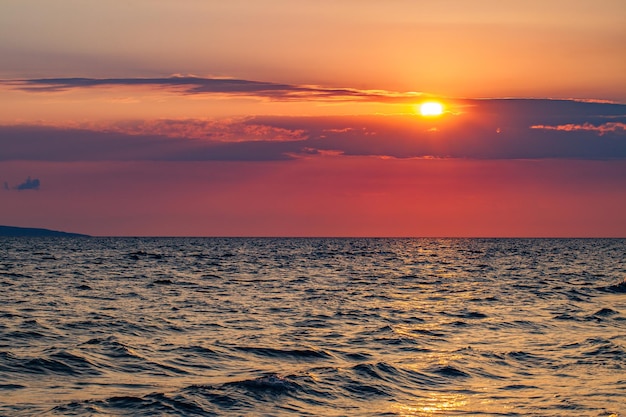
[[449, 371], [302, 354], [332, 327], [148, 405], [195, 400], [59, 363], [616, 288]]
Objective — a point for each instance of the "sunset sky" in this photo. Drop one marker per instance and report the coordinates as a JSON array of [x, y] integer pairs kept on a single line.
[[302, 118]]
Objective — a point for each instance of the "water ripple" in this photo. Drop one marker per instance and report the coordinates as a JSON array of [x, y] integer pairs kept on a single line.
[[308, 327]]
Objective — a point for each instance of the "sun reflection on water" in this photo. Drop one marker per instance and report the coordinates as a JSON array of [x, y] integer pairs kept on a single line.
[[433, 405]]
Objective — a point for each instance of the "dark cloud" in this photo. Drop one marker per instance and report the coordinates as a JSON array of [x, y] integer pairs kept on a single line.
[[481, 129], [43, 143], [203, 85], [29, 184]]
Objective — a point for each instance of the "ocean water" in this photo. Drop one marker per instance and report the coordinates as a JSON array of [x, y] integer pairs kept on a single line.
[[312, 327]]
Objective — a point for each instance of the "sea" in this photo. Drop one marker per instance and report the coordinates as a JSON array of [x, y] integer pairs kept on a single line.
[[312, 327]]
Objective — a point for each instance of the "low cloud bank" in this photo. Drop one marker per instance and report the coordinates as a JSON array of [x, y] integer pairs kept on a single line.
[[478, 129]]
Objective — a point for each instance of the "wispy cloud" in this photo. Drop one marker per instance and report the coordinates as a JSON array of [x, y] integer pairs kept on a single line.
[[600, 129], [237, 129], [208, 85]]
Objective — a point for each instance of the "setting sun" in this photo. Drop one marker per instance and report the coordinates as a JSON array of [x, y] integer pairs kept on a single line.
[[431, 108]]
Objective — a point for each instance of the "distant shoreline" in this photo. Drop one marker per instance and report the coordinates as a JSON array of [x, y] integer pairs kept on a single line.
[[13, 231]]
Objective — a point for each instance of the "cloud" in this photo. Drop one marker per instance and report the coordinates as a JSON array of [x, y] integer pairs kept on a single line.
[[239, 129], [29, 184], [228, 86], [571, 127], [482, 129]]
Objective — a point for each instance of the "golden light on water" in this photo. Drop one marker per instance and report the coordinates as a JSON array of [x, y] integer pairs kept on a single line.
[[434, 405]]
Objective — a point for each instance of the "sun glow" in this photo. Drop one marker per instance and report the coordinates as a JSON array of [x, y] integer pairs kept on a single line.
[[431, 108]]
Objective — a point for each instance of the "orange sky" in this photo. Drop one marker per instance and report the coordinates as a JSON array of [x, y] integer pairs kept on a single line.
[[483, 48], [298, 118]]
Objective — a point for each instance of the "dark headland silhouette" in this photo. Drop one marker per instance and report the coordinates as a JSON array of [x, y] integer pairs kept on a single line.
[[29, 231]]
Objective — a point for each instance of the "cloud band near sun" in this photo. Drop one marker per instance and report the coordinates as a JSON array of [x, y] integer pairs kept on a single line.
[[209, 85], [489, 129]]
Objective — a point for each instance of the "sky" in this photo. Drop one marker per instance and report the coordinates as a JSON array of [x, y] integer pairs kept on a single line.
[[302, 118]]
